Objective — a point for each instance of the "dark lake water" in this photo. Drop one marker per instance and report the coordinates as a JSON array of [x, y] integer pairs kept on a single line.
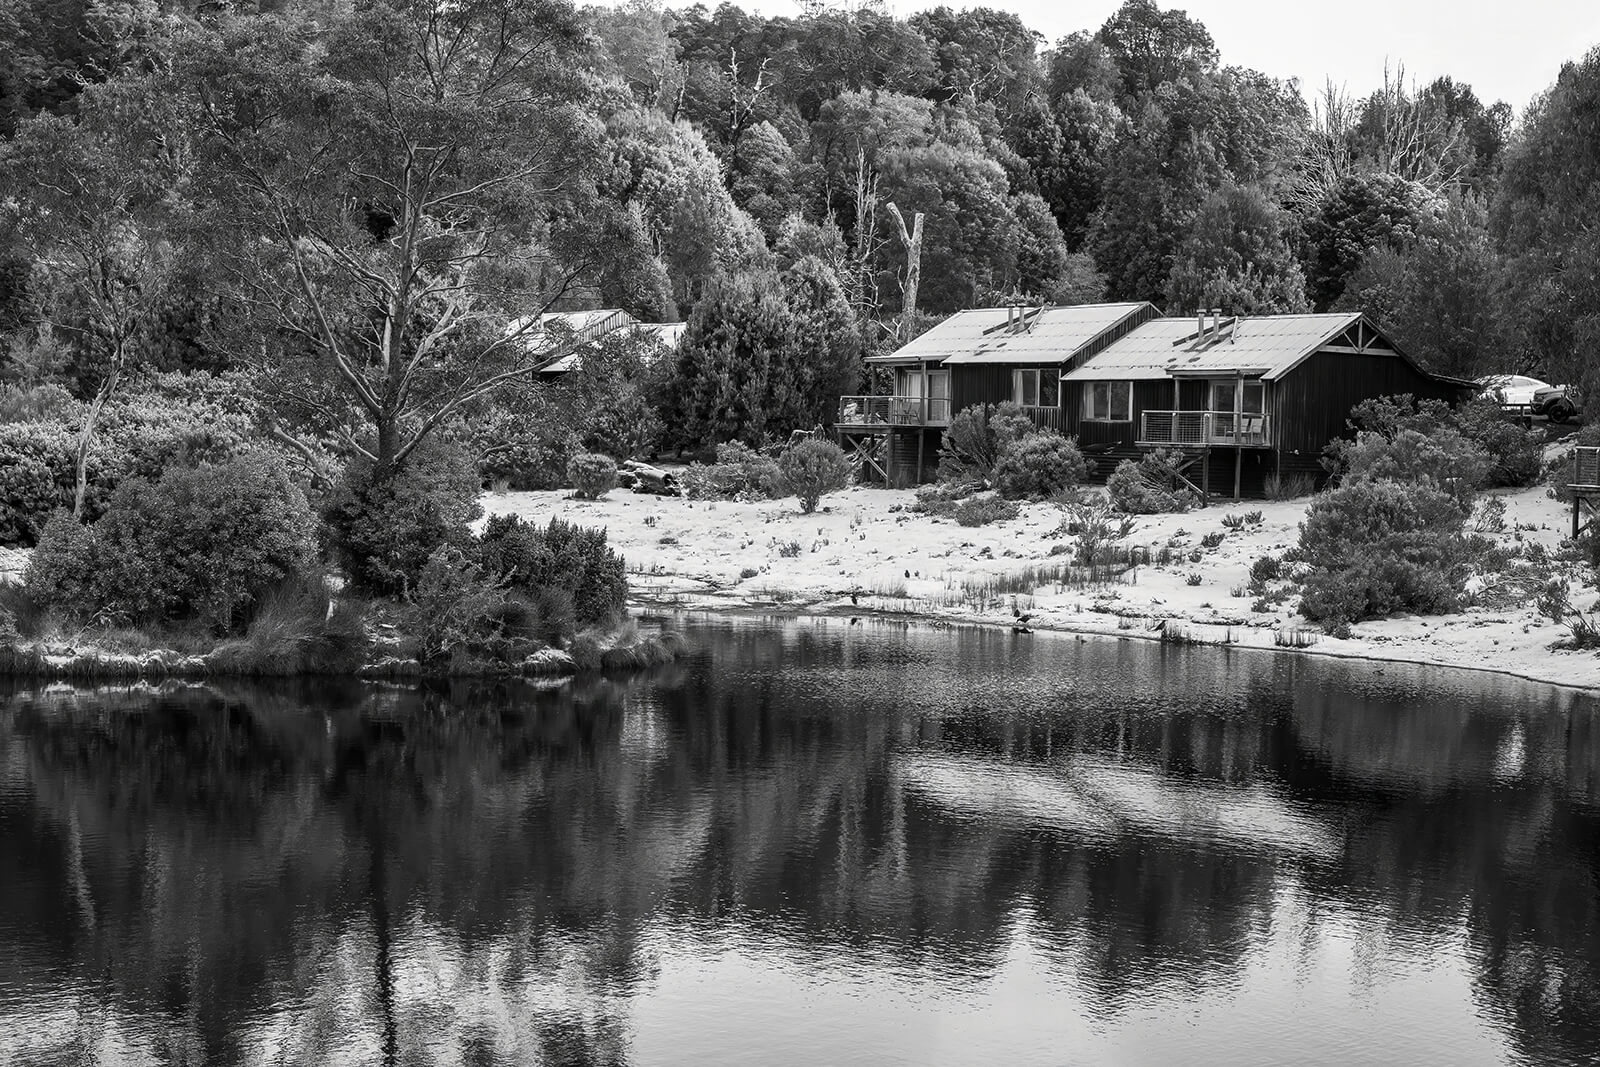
[[812, 843]]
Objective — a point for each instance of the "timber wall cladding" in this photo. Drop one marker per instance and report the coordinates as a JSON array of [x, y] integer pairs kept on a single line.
[[1311, 405]]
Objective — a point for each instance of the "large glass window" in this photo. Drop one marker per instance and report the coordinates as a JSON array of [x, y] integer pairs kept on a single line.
[[1025, 387], [1108, 401], [1250, 402]]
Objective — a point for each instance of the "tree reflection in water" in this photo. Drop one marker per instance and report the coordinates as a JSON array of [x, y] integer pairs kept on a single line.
[[326, 873]]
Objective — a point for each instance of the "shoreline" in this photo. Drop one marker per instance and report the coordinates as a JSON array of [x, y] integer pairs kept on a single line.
[[100, 665], [764, 556], [928, 621]]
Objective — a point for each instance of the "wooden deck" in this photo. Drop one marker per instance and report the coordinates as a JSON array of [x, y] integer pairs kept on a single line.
[[1204, 429], [1585, 487]]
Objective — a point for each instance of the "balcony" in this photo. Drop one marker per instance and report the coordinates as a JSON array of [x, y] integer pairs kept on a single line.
[[1201, 429], [870, 411], [1045, 418]]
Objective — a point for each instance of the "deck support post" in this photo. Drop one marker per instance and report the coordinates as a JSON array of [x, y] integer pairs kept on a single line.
[[922, 440], [1205, 476]]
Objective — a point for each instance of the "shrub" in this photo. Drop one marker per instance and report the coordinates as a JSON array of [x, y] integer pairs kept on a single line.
[[812, 467], [298, 629], [1516, 453], [1513, 454], [561, 556], [1290, 486], [1444, 459], [942, 498], [740, 473], [975, 439], [202, 543], [1266, 569], [382, 526], [982, 510], [27, 614], [1039, 465], [1151, 486], [163, 421], [1376, 548], [458, 610], [592, 475]]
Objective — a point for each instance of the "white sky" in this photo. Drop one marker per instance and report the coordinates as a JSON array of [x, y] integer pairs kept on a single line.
[[1504, 50]]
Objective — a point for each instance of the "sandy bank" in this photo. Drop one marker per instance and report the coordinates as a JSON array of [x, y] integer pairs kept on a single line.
[[724, 555]]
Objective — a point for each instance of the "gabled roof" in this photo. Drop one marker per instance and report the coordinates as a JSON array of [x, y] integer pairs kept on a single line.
[[1048, 335], [1269, 347], [587, 328]]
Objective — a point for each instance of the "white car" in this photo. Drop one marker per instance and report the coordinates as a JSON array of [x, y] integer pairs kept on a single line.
[[1512, 390]]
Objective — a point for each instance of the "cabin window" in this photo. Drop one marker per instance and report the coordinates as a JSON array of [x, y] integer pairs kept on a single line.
[[1250, 401], [1025, 387], [1108, 401]]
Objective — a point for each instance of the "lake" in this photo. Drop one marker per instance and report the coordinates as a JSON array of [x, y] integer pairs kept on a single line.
[[811, 842]]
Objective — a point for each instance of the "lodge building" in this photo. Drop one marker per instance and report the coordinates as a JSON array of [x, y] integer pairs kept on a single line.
[[1248, 399]]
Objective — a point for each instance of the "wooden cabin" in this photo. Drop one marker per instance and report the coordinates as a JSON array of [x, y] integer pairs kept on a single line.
[[983, 356], [580, 331], [1247, 399]]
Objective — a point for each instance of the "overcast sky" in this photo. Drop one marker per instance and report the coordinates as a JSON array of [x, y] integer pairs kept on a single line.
[[1505, 50]]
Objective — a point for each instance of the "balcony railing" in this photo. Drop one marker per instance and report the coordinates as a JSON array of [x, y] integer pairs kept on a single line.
[[1046, 418], [1201, 428], [893, 411]]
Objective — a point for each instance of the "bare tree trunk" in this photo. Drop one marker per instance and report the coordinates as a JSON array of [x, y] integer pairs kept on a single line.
[[912, 239], [86, 434]]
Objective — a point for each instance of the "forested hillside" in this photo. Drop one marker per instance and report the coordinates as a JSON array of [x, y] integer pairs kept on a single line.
[[341, 208]]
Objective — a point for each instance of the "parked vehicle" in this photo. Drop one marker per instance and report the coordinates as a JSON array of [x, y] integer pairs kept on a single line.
[[1558, 403], [1512, 390]]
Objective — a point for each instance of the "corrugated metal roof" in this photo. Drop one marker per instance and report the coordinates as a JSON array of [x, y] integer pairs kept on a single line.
[[666, 333], [1168, 348], [1051, 335]]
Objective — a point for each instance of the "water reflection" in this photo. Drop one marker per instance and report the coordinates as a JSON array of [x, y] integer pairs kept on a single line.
[[812, 843]]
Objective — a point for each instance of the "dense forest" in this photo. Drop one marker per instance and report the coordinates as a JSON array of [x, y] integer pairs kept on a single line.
[[316, 190]]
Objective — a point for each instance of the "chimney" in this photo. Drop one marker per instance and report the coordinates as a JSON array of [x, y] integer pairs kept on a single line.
[[1200, 324], [1216, 324]]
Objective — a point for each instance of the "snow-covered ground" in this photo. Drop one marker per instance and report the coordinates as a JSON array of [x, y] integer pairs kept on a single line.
[[870, 543]]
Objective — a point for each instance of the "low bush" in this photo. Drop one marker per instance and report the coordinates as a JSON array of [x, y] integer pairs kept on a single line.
[[461, 612], [1039, 465], [299, 629], [1512, 454], [1266, 569], [1152, 486], [591, 475], [560, 560], [812, 467], [1378, 548], [1443, 459], [201, 543], [975, 439], [27, 614], [942, 498], [1096, 529], [740, 473], [161, 422], [1290, 486], [982, 510], [382, 526]]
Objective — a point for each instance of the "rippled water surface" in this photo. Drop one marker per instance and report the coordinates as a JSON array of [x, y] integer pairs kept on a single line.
[[813, 843]]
